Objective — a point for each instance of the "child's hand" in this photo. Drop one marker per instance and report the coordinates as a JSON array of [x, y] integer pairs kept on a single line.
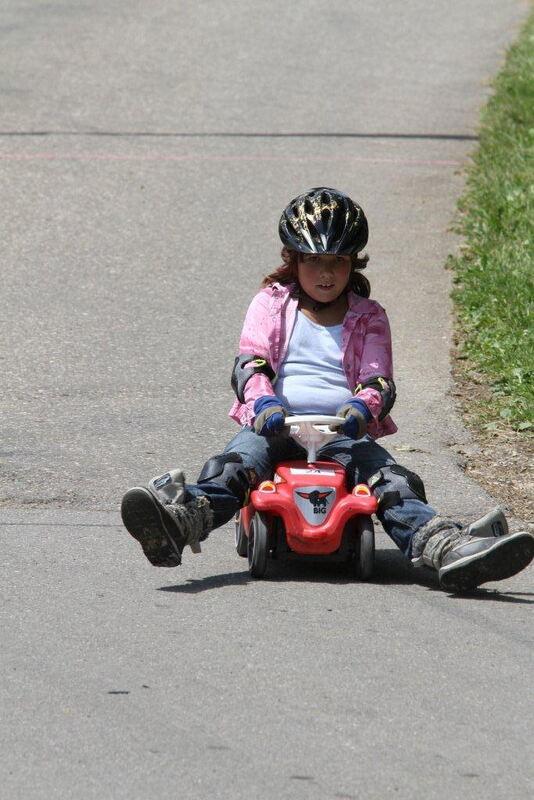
[[357, 415], [270, 416]]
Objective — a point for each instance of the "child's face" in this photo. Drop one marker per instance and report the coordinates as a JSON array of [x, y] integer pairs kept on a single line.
[[323, 277]]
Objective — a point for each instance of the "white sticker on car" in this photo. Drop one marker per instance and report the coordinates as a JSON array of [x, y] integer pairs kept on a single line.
[[312, 471]]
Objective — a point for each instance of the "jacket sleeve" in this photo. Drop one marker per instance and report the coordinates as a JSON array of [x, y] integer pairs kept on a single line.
[[376, 359], [254, 340]]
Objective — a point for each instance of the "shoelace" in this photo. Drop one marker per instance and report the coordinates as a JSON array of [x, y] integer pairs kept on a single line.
[[195, 519]]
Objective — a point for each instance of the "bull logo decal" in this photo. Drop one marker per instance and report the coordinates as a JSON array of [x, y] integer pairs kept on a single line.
[[317, 499]]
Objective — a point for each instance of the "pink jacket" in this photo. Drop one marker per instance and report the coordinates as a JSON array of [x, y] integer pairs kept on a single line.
[[365, 347]]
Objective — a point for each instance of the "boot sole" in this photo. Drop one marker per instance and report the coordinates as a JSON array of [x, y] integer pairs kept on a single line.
[[505, 558], [144, 520]]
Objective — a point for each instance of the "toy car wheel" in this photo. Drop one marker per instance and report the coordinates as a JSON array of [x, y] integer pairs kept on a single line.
[[367, 549], [363, 561], [258, 546], [241, 539]]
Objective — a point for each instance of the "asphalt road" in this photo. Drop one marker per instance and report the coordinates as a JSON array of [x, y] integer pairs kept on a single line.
[[146, 151]]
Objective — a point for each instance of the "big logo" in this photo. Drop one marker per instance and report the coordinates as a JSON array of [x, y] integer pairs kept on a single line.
[[317, 499], [315, 502]]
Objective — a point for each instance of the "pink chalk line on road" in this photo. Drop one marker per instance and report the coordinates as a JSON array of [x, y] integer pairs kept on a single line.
[[433, 162]]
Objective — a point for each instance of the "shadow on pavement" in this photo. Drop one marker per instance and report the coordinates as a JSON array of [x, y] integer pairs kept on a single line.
[[194, 585], [495, 595], [391, 569]]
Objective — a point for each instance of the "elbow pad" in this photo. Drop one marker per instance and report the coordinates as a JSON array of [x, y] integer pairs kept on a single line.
[[387, 389], [245, 366]]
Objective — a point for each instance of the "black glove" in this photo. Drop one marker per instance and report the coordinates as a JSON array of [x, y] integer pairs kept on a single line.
[[357, 416], [270, 416]]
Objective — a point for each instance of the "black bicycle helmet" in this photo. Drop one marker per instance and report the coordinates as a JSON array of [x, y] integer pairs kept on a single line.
[[324, 221]]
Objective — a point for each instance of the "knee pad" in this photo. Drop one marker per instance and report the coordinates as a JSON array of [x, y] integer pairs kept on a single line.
[[228, 471], [391, 485]]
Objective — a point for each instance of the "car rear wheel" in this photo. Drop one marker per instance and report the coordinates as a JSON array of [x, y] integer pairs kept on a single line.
[[241, 538], [258, 546], [362, 560]]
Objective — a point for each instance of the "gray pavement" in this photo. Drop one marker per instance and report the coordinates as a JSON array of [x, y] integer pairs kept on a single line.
[[125, 278]]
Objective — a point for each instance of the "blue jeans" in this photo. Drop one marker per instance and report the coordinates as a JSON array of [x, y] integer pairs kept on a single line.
[[361, 459]]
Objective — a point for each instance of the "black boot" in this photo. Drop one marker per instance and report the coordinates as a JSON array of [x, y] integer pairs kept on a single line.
[[164, 519], [467, 557]]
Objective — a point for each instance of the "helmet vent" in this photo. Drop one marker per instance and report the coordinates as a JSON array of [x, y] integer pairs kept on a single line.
[[308, 207], [314, 233]]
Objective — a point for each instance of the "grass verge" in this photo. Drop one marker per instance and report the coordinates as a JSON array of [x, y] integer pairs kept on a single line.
[[493, 274], [493, 352]]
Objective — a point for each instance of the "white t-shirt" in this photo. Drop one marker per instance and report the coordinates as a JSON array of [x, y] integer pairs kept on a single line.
[[311, 379]]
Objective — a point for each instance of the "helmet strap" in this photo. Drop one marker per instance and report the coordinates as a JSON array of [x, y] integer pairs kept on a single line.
[[321, 306], [318, 306]]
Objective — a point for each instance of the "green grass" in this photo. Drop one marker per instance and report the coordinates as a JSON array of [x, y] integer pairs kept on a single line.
[[493, 275]]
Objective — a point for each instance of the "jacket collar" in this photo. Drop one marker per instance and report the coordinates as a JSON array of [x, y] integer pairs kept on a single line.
[[360, 305]]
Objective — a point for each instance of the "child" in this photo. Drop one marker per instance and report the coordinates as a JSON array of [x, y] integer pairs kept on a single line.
[[314, 343]]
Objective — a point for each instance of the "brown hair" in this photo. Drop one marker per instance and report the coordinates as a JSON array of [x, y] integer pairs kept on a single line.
[[287, 273]]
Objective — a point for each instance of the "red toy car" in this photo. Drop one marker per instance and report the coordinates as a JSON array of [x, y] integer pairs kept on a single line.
[[307, 509]]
